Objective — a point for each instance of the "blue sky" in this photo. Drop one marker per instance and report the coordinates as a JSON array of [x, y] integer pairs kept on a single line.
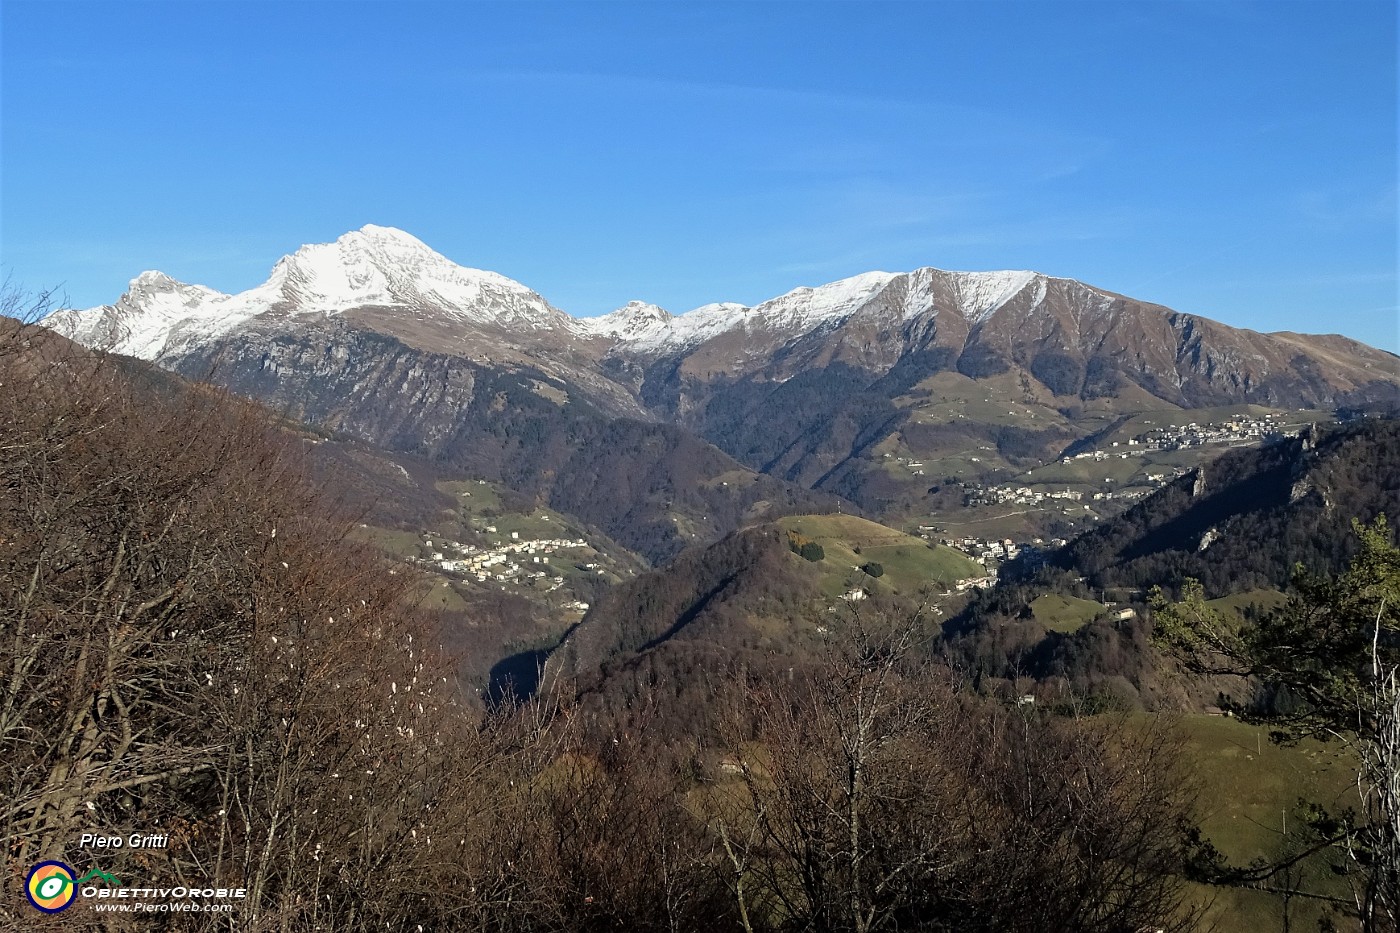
[[1231, 160]]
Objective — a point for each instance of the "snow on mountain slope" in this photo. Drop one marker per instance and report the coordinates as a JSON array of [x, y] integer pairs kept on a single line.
[[158, 312], [981, 294], [635, 320], [975, 296], [1070, 336], [396, 283], [373, 267], [706, 321], [646, 328], [383, 266], [807, 308], [399, 286]]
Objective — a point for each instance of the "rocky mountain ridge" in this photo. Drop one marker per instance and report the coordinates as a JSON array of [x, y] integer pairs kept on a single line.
[[1073, 338], [378, 336]]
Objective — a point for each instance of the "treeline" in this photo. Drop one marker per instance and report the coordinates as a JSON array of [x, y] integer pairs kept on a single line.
[[193, 645]]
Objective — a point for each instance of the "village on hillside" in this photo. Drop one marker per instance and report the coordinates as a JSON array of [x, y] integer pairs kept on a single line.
[[519, 562], [1075, 495]]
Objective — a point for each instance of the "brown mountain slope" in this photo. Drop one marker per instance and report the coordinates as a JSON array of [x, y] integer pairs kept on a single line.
[[981, 373]]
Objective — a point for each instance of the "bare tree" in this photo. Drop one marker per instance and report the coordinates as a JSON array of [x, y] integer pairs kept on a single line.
[[191, 641], [874, 795]]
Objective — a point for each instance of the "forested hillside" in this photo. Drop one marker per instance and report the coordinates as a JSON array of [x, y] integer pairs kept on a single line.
[[196, 647], [1242, 525], [1245, 520]]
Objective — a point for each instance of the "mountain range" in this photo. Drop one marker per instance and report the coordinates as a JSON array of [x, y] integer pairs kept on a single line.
[[665, 429], [1075, 339]]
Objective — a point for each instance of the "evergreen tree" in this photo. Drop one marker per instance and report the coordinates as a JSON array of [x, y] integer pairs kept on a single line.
[[1331, 658]]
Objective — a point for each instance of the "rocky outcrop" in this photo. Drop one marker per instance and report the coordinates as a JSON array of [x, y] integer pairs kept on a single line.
[[379, 336]]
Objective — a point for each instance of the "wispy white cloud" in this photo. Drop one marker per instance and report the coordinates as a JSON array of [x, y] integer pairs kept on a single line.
[[891, 132], [1312, 281], [718, 90], [1341, 207]]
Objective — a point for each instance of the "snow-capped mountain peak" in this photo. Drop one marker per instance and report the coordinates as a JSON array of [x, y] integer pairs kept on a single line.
[[156, 286], [374, 267], [634, 320], [152, 279], [397, 283], [649, 329], [824, 304], [386, 267]]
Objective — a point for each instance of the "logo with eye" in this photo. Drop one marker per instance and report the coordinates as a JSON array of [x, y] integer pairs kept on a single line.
[[50, 887]]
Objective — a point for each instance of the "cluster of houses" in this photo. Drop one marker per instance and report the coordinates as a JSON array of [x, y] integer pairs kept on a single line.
[[1240, 428], [1098, 455], [1024, 495], [976, 494], [987, 550], [1127, 495], [514, 561], [979, 583], [1021, 495]]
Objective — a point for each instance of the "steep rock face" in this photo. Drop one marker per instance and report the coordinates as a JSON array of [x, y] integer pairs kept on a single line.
[[327, 365], [365, 384], [653, 487], [379, 335]]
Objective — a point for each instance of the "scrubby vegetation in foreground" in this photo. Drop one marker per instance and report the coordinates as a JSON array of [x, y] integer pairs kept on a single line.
[[194, 645]]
